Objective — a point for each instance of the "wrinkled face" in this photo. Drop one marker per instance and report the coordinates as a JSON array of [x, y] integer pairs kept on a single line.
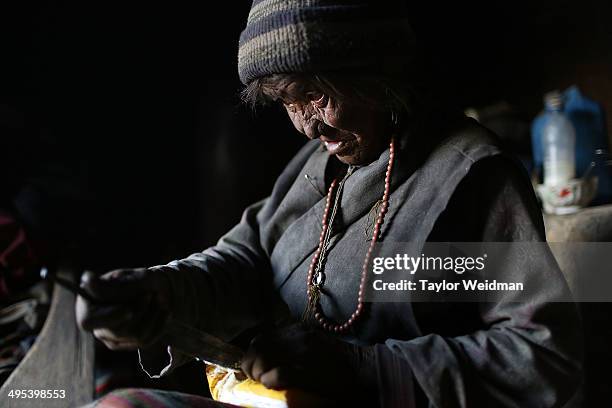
[[354, 132]]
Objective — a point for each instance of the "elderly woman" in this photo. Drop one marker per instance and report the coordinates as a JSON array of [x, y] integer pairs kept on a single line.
[[382, 165]]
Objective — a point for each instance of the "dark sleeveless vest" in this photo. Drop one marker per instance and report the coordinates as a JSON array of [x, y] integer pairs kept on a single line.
[[419, 195]]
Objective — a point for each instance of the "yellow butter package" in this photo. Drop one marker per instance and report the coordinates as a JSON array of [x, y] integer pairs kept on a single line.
[[235, 388]]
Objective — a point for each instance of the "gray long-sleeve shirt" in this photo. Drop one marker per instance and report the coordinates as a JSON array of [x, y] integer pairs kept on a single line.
[[508, 352]]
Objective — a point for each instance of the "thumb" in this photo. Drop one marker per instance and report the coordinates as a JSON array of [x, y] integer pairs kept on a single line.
[[121, 285]]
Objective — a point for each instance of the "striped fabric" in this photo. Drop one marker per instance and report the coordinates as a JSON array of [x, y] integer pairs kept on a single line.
[[283, 36], [148, 398]]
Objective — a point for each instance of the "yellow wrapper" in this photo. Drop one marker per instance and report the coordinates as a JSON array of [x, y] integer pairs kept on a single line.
[[234, 388]]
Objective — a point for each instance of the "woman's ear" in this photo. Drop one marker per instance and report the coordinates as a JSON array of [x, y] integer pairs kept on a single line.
[[395, 119]]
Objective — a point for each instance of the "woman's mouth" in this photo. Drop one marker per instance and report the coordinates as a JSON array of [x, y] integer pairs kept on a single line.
[[333, 147], [338, 147]]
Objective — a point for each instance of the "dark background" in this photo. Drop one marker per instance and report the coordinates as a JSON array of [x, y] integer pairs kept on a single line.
[[121, 133]]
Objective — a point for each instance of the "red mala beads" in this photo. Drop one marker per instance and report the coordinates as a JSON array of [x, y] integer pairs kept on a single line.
[[314, 288]]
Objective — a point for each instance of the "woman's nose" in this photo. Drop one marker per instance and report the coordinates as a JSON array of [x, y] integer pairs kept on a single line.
[[316, 129], [313, 129], [325, 130]]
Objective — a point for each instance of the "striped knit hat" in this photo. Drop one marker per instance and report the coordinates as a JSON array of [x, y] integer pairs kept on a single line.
[[291, 36]]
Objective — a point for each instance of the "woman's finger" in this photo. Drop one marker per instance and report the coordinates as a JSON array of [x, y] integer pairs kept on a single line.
[[119, 286], [281, 377], [147, 325], [278, 348], [254, 352], [261, 364], [90, 316], [247, 361], [110, 336], [115, 343], [105, 317]]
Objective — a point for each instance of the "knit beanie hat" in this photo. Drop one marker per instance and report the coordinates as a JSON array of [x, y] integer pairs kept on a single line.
[[302, 36]]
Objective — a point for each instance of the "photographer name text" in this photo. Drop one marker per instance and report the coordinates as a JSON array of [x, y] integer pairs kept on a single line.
[[446, 286]]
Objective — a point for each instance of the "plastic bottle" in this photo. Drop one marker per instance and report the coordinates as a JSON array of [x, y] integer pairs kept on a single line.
[[558, 142]]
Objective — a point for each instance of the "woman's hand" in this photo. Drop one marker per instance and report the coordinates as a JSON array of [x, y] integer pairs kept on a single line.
[[131, 308], [308, 359]]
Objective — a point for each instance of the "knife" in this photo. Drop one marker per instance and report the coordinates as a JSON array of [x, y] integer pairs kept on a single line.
[[203, 346], [182, 337]]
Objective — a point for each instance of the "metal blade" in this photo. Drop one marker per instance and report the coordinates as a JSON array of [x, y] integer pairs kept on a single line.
[[204, 346]]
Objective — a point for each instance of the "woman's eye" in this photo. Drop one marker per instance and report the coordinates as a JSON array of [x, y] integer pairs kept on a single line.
[[318, 98]]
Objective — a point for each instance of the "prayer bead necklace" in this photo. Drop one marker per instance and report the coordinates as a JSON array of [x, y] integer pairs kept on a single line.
[[315, 278]]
